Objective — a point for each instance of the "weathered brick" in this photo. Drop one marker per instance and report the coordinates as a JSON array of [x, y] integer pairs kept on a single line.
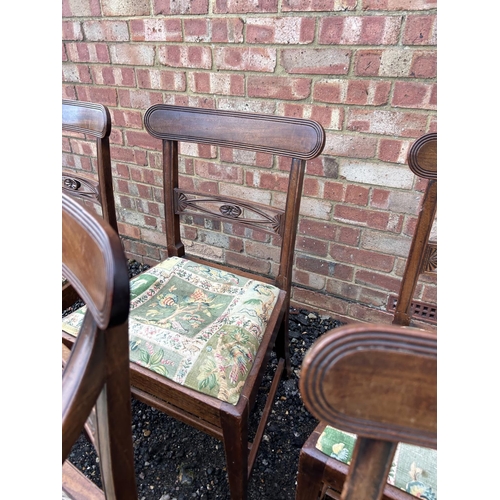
[[112, 75], [132, 54], [125, 7], [72, 30], [164, 80], [138, 99], [387, 122], [331, 61], [109, 31], [244, 157], [280, 30], [385, 243], [76, 73], [210, 170], [142, 140], [245, 59], [393, 150], [88, 52], [396, 5], [106, 96], [329, 117], [322, 230], [156, 30], [276, 87], [424, 65], [354, 146], [357, 195], [217, 83], [243, 6], [420, 30], [180, 7], [229, 30], [320, 301], [334, 191], [368, 92], [308, 279], [376, 173], [360, 257], [130, 155], [81, 8], [185, 56], [318, 5], [323, 267], [312, 246], [413, 95], [360, 30]]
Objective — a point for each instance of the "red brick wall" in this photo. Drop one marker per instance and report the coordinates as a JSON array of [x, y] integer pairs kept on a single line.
[[364, 69]]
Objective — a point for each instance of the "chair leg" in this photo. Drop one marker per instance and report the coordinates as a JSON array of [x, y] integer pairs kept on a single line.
[[282, 346], [235, 432], [309, 483]]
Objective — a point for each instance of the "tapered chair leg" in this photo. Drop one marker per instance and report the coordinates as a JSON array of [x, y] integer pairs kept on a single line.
[[235, 431]]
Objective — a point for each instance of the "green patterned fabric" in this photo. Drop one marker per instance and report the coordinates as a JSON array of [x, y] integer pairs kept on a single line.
[[414, 469], [196, 325]]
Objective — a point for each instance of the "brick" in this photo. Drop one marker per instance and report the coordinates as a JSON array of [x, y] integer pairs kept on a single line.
[[406, 202], [229, 30], [138, 99], [334, 191], [128, 230], [72, 30], [243, 6], [142, 140], [369, 314], [132, 54], [413, 95], [312, 246], [312, 187], [185, 56], [360, 217], [331, 61], [268, 181], [317, 209], [156, 30], [244, 262], [393, 150], [367, 62], [197, 30], [276, 87], [217, 83], [247, 105], [106, 31], [385, 243], [420, 30], [348, 235], [322, 230], [76, 73], [101, 95], [112, 8], [88, 52], [376, 173], [363, 258], [359, 30], [129, 155], [368, 92], [115, 76], [280, 30], [314, 265], [165, 80], [329, 117], [387, 122], [396, 5], [424, 65], [354, 146], [81, 8], [210, 170], [262, 251], [180, 7], [308, 279], [318, 5], [245, 59], [357, 195], [68, 91], [380, 198], [377, 280], [244, 157]]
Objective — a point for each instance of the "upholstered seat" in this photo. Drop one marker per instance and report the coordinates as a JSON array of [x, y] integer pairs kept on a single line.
[[206, 341], [414, 468]]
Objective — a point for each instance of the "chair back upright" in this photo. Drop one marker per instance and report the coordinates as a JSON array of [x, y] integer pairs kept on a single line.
[[96, 373], [422, 160]]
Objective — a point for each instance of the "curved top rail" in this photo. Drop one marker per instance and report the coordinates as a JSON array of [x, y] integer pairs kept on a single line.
[[422, 157], [86, 117], [295, 137]]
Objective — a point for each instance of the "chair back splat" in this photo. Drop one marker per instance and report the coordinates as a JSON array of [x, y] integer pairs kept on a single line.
[[372, 387], [96, 371], [202, 332], [422, 160], [94, 121]]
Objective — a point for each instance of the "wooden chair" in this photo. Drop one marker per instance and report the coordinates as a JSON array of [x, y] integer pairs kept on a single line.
[[96, 372], [422, 160], [94, 121], [201, 332], [377, 384]]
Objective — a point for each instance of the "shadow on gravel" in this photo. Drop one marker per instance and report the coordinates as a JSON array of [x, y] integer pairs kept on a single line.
[[176, 462]]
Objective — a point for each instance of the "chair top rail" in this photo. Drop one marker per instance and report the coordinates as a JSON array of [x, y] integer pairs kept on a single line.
[[86, 117], [295, 137], [422, 157]]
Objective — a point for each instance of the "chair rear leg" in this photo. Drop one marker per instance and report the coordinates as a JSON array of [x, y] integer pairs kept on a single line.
[[309, 478], [282, 346], [235, 432]]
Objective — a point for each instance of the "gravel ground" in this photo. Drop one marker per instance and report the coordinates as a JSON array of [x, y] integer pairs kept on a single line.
[[176, 462]]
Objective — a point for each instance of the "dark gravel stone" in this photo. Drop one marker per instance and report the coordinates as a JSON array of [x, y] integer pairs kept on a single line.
[[174, 461]]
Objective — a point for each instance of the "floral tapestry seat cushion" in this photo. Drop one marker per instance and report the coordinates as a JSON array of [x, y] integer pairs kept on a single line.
[[196, 325], [413, 470]]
